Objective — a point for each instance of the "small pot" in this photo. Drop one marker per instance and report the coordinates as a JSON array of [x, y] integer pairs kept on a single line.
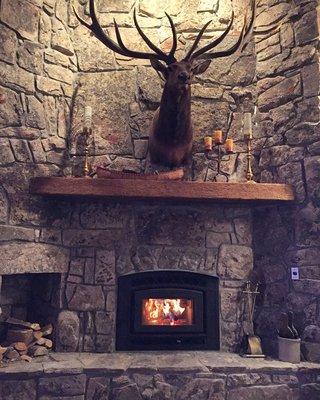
[[289, 350]]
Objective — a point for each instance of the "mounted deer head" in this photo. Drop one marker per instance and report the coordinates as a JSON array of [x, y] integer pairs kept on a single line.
[[170, 140]]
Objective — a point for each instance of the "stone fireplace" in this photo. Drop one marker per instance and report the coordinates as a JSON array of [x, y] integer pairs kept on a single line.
[[50, 67]]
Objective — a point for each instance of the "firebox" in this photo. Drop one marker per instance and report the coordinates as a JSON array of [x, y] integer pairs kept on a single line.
[[163, 310]]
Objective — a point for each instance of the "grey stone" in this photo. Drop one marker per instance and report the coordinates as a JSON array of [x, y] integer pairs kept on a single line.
[[8, 45], [140, 148], [308, 80], [30, 57], [163, 226], [90, 237], [129, 392], [68, 330], [22, 17], [60, 39], [18, 390], [6, 152], [279, 392], [201, 388], [19, 257], [98, 388], [59, 73], [306, 28], [87, 298], [92, 54], [16, 233], [11, 114], [311, 334], [20, 150], [235, 262], [235, 380], [281, 93], [48, 86], [70, 385], [312, 177], [104, 322], [105, 268], [215, 239], [112, 95], [279, 155]]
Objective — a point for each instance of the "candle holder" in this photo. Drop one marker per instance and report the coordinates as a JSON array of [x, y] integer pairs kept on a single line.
[[217, 155], [86, 166], [249, 173]]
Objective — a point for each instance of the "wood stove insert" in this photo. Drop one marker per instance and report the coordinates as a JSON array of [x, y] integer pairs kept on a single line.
[[168, 310]]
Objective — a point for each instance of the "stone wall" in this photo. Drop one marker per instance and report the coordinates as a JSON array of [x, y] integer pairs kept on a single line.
[[50, 67], [288, 89]]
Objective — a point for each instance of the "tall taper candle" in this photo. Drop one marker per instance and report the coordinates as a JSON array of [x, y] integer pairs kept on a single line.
[[247, 125], [88, 117]]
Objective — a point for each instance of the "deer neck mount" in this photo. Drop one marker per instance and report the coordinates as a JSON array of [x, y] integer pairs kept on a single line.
[[170, 141]]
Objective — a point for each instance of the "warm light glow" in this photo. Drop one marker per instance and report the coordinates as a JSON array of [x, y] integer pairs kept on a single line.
[[167, 312]]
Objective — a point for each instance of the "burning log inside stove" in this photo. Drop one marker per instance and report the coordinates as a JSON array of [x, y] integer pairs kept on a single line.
[[25, 340], [167, 312]]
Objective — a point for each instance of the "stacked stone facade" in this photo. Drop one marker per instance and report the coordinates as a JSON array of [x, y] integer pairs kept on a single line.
[[287, 97], [50, 67]]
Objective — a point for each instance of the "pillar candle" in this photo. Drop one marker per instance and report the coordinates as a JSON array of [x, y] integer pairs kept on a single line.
[[208, 143], [229, 145], [217, 137], [88, 117], [247, 125]]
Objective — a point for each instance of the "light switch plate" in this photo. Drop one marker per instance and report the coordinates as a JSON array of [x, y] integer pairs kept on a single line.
[[295, 273]]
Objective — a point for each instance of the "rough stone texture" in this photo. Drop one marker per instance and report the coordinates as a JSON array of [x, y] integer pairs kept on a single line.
[[68, 331], [279, 233], [51, 67], [169, 376], [32, 258]]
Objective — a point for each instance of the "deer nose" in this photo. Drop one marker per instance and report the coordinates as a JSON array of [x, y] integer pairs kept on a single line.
[[183, 77]]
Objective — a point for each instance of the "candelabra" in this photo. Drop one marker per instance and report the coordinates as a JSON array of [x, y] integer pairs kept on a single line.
[[247, 127], [219, 153]]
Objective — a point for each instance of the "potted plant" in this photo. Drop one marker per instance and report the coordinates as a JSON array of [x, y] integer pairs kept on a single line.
[[289, 342]]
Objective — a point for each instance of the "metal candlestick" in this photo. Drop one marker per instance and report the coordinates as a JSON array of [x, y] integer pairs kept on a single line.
[[249, 173], [86, 166], [217, 155]]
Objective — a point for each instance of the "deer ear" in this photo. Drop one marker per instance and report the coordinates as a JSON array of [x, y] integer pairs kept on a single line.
[[201, 67], [159, 67]]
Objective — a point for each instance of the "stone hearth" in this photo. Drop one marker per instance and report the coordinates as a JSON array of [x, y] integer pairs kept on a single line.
[[160, 375]]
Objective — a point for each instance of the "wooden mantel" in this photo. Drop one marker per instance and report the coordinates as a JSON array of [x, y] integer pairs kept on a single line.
[[121, 189]]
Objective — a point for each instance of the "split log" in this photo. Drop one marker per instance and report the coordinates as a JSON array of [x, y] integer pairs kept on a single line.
[[20, 347], [48, 343], [2, 351], [27, 358], [47, 330], [41, 341], [37, 351], [23, 324], [20, 335], [11, 354]]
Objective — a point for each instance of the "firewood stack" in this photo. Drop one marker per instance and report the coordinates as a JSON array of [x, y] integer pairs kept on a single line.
[[25, 340]]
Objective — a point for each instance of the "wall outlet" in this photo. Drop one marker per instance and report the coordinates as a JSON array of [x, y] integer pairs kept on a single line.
[[295, 273]]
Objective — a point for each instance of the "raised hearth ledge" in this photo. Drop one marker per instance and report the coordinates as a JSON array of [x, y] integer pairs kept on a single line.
[[191, 362], [158, 375], [161, 190]]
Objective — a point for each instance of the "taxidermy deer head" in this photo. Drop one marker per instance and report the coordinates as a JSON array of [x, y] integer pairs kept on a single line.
[[170, 141]]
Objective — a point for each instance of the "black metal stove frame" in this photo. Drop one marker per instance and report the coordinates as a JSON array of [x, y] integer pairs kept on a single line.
[[202, 289]]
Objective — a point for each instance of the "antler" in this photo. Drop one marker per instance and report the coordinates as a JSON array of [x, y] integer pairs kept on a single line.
[[245, 32], [120, 47]]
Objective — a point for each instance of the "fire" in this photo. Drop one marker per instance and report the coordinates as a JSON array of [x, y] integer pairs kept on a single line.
[[167, 312]]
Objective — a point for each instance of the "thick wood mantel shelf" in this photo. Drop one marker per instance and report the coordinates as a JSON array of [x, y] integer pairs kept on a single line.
[[121, 189]]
